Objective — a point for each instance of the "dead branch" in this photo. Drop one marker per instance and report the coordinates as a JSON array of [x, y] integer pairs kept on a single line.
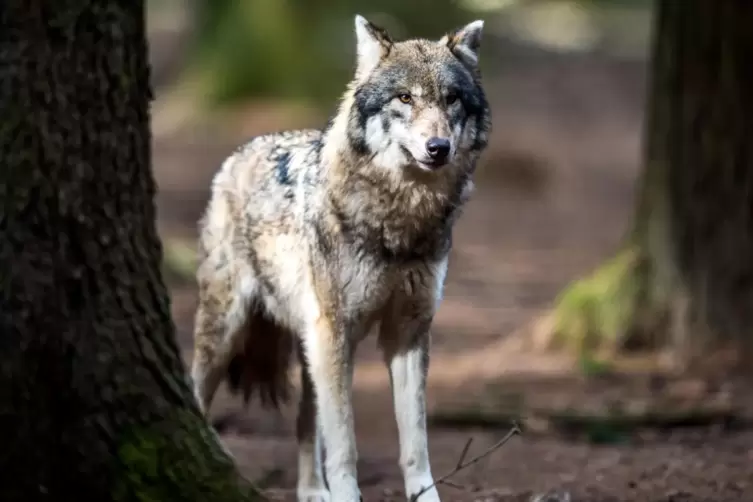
[[462, 464]]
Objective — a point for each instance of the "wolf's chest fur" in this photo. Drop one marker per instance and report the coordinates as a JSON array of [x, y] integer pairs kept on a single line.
[[396, 224], [381, 231]]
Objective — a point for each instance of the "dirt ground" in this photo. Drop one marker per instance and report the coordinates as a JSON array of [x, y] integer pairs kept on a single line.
[[553, 198]]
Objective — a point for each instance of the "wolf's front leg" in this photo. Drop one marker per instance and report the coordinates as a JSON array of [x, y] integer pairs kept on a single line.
[[311, 486], [405, 343], [330, 361]]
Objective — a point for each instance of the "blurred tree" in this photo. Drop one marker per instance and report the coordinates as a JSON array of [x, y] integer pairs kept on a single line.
[[297, 48], [684, 279], [94, 398]]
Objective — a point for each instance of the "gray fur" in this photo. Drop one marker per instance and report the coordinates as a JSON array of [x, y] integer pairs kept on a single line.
[[314, 238]]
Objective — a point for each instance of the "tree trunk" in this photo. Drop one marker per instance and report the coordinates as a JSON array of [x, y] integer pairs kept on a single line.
[[684, 279], [94, 398]]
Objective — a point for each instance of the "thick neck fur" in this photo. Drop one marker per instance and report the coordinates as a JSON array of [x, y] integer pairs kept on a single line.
[[400, 211]]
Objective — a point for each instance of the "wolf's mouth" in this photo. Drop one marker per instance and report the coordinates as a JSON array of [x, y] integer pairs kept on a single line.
[[431, 165], [427, 164]]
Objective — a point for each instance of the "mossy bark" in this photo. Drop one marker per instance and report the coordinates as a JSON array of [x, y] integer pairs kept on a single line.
[[94, 399], [684, 279]]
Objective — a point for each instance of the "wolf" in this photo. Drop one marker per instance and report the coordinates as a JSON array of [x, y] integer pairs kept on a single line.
[[312, 239]]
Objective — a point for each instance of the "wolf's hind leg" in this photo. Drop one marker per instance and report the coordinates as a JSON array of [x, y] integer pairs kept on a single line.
[[209, 363], [220, 319], [311, 484], [219, 323]]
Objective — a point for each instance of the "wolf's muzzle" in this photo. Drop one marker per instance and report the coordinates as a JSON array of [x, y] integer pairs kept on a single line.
[[438, 150]]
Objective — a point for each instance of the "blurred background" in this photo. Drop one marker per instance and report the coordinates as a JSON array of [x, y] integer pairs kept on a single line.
[[554, 198]]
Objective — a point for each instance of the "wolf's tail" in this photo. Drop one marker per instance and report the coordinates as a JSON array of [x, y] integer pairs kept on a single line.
[[263, 365]]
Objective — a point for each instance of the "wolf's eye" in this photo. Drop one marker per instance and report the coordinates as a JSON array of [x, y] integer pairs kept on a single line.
[[451, 98], [405, 98]]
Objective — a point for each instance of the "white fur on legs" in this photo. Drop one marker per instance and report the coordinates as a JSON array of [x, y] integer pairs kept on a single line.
[[216, 333], [311, 486], [206, 378], [331, 364], [408, 370]]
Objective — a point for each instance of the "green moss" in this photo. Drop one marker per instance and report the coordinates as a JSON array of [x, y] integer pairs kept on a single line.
[[600, 311], [177, 459], [591, 366], [229, 62]]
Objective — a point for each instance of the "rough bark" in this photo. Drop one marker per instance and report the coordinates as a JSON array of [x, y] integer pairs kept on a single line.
[[94, 400], [685, 279]]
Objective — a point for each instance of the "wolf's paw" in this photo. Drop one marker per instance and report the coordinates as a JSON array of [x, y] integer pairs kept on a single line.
[[346, 492], [416, 484], [313, 495], [427, 496]]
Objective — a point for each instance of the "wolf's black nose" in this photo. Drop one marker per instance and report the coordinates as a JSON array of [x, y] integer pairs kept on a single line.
[[438, 148]]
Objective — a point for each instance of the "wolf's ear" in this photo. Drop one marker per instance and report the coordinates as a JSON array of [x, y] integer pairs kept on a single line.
[[465, 42], [372, 44]]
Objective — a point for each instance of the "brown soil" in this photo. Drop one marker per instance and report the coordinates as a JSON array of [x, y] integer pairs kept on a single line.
[[553, 198]]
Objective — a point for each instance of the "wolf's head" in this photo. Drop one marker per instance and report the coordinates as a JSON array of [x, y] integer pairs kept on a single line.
[[417, 103]]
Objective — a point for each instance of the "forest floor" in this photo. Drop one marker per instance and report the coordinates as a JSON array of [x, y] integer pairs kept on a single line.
[[553, 198]]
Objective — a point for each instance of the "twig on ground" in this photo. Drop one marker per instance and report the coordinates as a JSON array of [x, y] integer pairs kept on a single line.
[[453, 485], [467, 446], [462, 464]]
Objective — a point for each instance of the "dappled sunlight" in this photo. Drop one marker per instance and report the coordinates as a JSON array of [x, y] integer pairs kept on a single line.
[[556, 25]]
